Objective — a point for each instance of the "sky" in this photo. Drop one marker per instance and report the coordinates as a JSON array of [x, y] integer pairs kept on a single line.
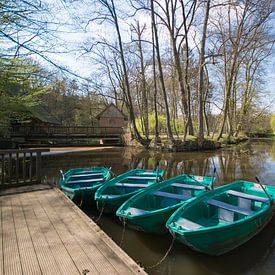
[[81, 64]]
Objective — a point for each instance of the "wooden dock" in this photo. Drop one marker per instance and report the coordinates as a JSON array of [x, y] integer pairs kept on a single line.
[[43, 232]]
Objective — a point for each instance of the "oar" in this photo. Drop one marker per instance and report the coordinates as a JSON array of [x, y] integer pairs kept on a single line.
[[257, 179], [157, 169], [62, 174], [213, 178], [206, 187]]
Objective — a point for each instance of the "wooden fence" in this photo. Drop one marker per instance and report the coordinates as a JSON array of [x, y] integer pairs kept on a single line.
[[20, 166], [55, 131]]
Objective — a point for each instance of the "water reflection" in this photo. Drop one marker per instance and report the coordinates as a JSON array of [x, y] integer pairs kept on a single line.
[[238, 162]]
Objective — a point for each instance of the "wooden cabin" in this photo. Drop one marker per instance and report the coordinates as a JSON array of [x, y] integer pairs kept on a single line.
[[111, 116]]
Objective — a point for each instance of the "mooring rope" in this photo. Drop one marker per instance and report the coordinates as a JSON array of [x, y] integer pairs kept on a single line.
[[82, 197], [100, 214], [165, 255], [123, 233]]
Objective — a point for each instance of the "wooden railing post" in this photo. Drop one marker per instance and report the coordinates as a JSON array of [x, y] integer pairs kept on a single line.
[[38, 167], [19, 167]]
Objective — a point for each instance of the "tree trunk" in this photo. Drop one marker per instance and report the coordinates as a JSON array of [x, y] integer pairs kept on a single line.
[[168, 122], [138, 137], [201, 92]]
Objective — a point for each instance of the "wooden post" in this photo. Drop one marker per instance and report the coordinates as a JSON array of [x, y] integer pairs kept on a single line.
[[38, 167], [2, 168], [24, 167], [14, 163], [30, 168], [17, 167]]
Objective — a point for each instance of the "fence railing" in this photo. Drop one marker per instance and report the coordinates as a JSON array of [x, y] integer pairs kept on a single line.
[[27, 130], [20, 166]]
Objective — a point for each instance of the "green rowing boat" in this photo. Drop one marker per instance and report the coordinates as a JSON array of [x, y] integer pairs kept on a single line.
[[150, 209], [80, 184], [224, 218], [111, 195]]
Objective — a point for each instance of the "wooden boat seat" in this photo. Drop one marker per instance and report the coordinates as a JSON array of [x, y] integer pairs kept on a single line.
[[172, 196], [85, 181], [136, 211], [131, 185], [85, 175], [230, 207], [141, 178], [247, 196], [187, 224], [188, 186]]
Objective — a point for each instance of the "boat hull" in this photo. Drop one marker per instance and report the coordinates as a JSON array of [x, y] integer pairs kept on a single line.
[[151, 223], [149, 210], [221, 240], [223, 219], [118, 190], [80, 184]]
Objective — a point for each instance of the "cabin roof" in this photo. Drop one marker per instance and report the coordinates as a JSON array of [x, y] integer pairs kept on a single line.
[[43, 115], [111, 111]]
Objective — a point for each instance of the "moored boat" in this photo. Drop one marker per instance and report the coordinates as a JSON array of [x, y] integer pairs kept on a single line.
[[225, 218], [149, 210], [80, 184], [110, 196]]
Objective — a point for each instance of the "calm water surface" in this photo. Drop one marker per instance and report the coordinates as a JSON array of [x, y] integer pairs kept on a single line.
[[239, 162]]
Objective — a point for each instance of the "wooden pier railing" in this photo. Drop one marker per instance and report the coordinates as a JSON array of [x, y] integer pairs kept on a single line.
[[20, 166]]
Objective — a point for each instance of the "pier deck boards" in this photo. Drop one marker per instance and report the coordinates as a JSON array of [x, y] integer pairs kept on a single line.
[[42, 232]]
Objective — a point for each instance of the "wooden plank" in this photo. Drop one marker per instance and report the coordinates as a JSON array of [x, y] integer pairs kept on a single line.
[[85, 181], [78, 256], [98, 246], [12, 264], [134, 185], [136, 211], [142, 178], [27, 253], [230, 207], [172, 195], [247, 196], [83, 234], [85, 175], [188, 186], [44, 232], [45, 257], [187, 224], [61, 255]]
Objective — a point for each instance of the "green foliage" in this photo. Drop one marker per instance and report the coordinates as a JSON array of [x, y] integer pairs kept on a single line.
[[177, 124], [272, 123], [19, 89]]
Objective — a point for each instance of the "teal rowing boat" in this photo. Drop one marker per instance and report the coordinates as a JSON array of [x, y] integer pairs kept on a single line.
[[80, 184], [150, 209], [111, 195], [224, 218]]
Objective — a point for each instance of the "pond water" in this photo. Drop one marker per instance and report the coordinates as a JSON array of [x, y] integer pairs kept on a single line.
[[243, 161]]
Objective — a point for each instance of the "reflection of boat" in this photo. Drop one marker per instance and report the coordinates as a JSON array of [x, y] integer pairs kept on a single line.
[[80, 184], [149, 209], [112, 194], [224, 218]]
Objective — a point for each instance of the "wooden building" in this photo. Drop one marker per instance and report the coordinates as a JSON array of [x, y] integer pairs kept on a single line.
[[111, 116]]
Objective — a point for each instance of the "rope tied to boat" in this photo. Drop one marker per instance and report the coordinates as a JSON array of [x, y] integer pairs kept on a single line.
[[123, 233], [165, 255], [100, 214], [81, 200]]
